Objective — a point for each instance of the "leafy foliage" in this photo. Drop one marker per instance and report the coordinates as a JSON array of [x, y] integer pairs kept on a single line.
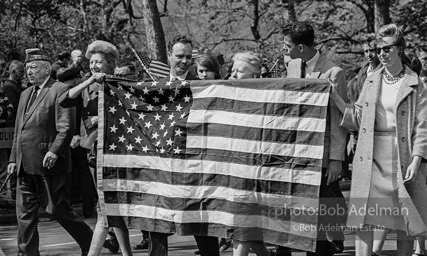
[[217, 26]]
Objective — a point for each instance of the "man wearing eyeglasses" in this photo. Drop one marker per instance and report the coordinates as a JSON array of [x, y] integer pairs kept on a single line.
[[41, 157], [308, 62]]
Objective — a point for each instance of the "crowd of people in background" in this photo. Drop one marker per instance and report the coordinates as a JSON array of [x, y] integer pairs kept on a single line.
[[376, 135]]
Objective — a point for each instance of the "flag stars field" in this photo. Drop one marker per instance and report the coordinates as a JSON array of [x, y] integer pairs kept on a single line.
[[113, 129], [113, 147], [138, 140], [127, 95], [122, 139], [130, 129], [113, 109]]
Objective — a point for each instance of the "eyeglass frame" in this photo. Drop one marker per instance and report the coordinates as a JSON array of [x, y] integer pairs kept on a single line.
[[385, 48]]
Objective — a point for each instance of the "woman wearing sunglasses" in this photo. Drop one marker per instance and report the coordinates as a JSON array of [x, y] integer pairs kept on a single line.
[[388, 187]]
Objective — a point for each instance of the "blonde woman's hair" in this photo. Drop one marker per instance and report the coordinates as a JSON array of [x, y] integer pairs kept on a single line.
[[252, 59]]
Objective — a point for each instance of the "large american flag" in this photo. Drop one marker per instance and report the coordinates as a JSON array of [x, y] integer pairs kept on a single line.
[[214, 157]]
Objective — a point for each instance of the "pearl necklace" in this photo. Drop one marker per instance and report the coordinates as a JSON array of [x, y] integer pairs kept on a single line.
[[389, 79]]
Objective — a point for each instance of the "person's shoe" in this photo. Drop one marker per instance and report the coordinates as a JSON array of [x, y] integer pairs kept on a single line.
[[224, 244], [142, 246], [110, 246]]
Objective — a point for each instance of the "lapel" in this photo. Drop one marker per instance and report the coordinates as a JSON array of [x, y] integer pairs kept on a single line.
[[39, 98], [409, 81], [317, 70], [25, 98]]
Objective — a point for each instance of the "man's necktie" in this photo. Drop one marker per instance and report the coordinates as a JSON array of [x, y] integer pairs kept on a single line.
[[33, 98], [303, 69]]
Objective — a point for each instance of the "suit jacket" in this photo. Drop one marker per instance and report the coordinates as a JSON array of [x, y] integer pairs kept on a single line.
[[87, 105], [13, 91], [411, 132], [46, 127], [335, 136]]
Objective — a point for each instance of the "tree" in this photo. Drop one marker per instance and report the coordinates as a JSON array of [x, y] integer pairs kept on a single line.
[[382, 13], [154, 31]]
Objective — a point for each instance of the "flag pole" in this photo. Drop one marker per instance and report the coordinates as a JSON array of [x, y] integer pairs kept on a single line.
[[275, 63], [143, 65]]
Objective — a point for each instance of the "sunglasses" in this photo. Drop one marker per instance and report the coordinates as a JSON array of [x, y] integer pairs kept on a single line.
[[386, 48]]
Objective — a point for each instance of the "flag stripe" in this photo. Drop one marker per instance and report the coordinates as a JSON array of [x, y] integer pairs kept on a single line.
[[221, 156], [300, 174], [249, 133], [259, 108], [282, 212], [262, 84], [261, 94], [199, 157], [209, 179], [265, 122], [254, 146], [236, 195], [248, 221]]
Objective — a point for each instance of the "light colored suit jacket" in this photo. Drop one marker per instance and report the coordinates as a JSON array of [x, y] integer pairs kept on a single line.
[[46, 127], [335, 136]]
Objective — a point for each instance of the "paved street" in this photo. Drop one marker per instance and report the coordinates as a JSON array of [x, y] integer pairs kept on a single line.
[[56, 241]]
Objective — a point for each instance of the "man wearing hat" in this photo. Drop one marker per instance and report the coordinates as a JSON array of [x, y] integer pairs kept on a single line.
[[41, 157]]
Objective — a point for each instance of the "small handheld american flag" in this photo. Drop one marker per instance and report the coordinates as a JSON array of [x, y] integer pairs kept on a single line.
[[154, 68]]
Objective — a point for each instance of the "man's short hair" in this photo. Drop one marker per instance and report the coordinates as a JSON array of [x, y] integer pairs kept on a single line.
[[64, 55], [369, 40], [300, 32], [179, 39], [14, 64]]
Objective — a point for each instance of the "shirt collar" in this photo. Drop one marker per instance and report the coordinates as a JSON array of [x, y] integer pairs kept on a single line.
[[180, 78], [44, 83], [312, 62]]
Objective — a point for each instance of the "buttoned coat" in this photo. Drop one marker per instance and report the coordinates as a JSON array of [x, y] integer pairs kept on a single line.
[[336, 136], [411, 135], [45, 127]]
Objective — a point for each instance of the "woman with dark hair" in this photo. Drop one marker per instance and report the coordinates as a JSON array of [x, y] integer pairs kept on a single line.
[[389, 177], [207, 67]]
